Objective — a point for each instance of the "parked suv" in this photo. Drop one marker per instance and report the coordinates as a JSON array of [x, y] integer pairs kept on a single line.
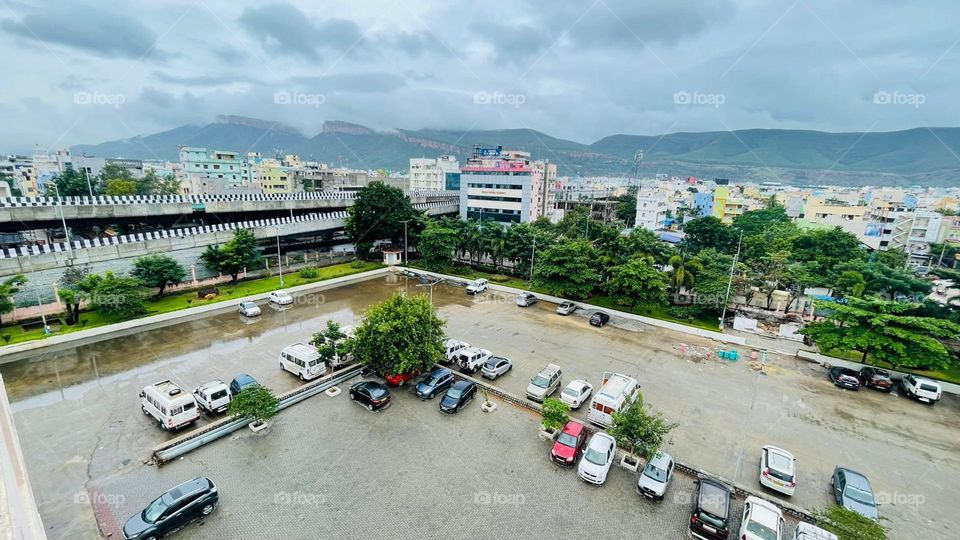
[[544, 383], [844, 377], [174, 509], [710, 516], [875, 378], [925, 390]]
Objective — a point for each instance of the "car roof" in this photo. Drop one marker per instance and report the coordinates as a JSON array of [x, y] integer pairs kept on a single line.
[[764, 512]]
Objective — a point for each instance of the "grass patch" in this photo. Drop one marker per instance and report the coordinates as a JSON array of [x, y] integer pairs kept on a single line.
[[188, 299]]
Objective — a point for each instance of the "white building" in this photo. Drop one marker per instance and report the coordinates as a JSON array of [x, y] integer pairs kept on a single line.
[[431, 174], [651, 209]]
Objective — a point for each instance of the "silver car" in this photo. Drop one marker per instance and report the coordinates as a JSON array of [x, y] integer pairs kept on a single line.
[[656, 476], [496, 366]]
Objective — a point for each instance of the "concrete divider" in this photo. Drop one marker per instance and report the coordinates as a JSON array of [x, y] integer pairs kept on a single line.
[[947, 387]]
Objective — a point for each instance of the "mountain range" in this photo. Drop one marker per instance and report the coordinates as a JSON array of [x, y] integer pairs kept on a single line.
[[922, 156]]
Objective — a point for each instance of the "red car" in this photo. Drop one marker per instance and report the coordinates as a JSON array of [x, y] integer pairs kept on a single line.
[[400, 378], [569, 444]]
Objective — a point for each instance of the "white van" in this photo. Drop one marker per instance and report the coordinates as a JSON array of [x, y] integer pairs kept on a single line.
[[806, 531], [302, 360], [616, 394], [169, 405]]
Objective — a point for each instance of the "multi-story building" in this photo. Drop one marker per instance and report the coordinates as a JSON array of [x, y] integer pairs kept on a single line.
[[505, 186], [432, 174], [214, 173], [651, 209]]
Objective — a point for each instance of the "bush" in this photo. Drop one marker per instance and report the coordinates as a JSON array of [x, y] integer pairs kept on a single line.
[[555, 414], [309, 273]]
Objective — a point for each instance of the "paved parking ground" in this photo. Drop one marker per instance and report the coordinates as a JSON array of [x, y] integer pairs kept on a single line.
[[84, 436]]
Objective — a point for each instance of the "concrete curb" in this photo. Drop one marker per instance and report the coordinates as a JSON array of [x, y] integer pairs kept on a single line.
[[818, 358], [717, 336], [19, 351]]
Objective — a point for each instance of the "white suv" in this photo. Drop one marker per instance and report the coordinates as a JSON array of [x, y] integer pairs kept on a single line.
[[925, 390]]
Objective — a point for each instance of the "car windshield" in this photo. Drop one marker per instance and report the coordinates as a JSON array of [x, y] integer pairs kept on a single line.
[[567, 439], [540, 381], [454, 393], [761, 531], [654, 472], [859, 495], [152, 512], [596, 456]]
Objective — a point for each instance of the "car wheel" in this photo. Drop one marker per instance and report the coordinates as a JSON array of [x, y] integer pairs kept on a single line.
[[207, 510], [369, 407]]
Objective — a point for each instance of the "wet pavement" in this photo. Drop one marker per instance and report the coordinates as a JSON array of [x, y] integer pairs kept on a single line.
[[81, 427]]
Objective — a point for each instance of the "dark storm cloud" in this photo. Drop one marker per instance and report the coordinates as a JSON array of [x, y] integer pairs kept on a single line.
[[103, 33], [285, 29]]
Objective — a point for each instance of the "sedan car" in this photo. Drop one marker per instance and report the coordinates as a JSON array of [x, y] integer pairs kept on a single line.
[[249, 309], [280, 297], [526, 299], [875, 378], [597, 459], [371, 394], [762, 520], [434, 382], [569, 444], [778, 470], [458, 396], [852, 491], [655, 477], [576, 393], [240, 382], [496, 366], [844, 377], [599, 319], [185, 503], [566, 307]]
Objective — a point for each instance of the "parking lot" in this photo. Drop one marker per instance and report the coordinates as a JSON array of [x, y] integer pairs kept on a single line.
[[329, 466]]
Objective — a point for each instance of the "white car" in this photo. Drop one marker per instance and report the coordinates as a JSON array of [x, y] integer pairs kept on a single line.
[[280, 297], [597, 458], [576, 393], [249, 309], [477, 286], [762, 520], [778, 470]]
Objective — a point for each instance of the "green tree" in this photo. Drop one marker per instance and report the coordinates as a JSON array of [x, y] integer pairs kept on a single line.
[[399, 335], [257, 403], [437, 246], [849, 524], [565, 269], [237, 254], [637, 282], [331, 343], [627, 209], [8, 288], [887, 331], [378, 213], [640, 431], [708, 232], [158, 271], [119, 297], [555, 413]]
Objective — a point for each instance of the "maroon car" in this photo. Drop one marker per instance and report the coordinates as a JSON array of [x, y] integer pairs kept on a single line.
[[569, 444], [875, 378]]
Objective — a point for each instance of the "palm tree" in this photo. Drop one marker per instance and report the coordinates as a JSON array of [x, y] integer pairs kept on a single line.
[[684, 272]]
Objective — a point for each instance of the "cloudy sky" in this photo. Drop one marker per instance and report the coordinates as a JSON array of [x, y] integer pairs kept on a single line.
[[75, 71]]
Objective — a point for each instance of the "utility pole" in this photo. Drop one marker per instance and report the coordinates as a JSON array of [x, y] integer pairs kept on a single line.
[[405, 252], [733, 267]]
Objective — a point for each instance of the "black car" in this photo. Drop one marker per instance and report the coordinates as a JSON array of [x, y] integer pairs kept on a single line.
[[844, 377], [434, 382], [876, 378], [710, 516], [371, 394], [599, 319], [240, 382], [187, 502], [457, 396]]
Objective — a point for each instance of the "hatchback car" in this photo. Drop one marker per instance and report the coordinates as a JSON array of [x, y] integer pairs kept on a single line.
[[371, 394], [852, 491], [599, 319], [458, 396], [576, 393], [569, 444], [762, 520], [280, 297], [526, 299], [597, 458], [434, 382], [875, 378], [566, 307], [249, 309], [844, 377], [710, 516], [185, 503], [655, 477], [778, 470], [496, 366], [240, 382]]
